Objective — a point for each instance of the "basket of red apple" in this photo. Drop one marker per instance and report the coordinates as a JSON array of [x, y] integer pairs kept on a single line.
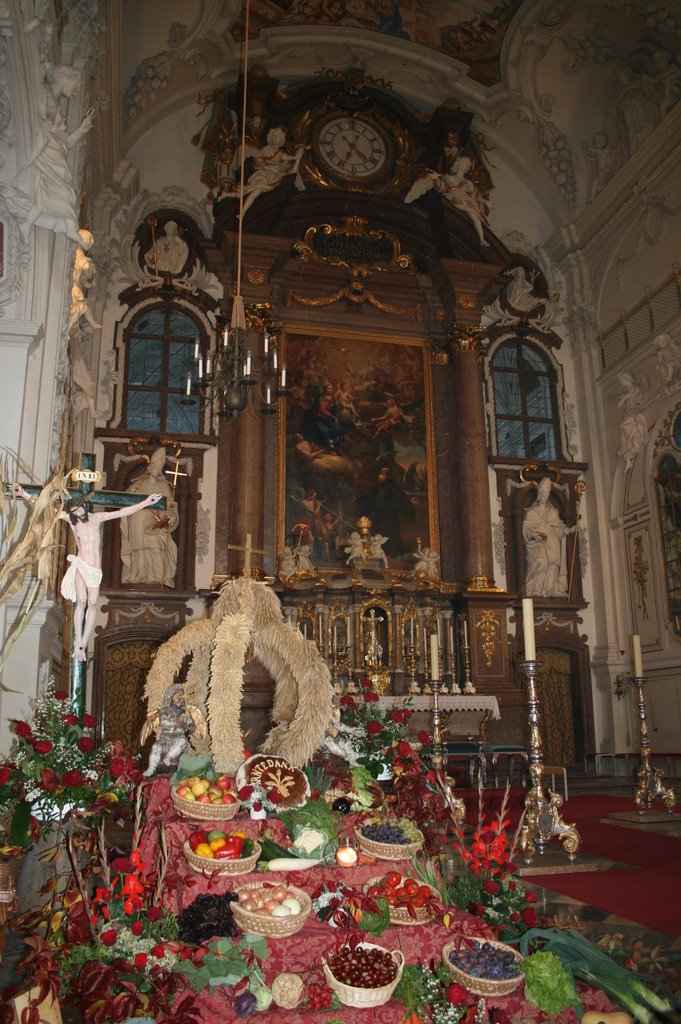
[[224, 853], [204, 799]]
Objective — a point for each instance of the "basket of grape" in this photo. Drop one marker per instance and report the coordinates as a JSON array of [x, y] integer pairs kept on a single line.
[[363, 975], [390, 838], [484, 967]]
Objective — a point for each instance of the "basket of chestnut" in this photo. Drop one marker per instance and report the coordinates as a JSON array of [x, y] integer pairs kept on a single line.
[[271, 909], [364, 974], [484, 967]]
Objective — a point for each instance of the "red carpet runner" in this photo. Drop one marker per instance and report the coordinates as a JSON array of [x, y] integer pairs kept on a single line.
[[647, 890]]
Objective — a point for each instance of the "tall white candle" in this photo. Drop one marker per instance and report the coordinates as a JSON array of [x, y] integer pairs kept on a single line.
[[283, 377], [266, 343], [225, 337], [196, 350], [465, 631], [268, 395], [434, 656], [208, 365], [411, 630], [248, 364], [636, 655], [200, 367], [189, 384], [528, 629]]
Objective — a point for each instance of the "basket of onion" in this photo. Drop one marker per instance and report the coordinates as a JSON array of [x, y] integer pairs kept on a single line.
[[364, 974], [271, 909]]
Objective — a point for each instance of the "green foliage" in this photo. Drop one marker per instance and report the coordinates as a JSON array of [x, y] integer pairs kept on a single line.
[[376, 923], [226, 962]]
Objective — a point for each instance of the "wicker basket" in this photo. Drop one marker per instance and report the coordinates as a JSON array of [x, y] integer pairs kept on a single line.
[[400, 915], [207, 866], [203, 812], [272, 927], [483, 986], [387, 851], [363, 997]]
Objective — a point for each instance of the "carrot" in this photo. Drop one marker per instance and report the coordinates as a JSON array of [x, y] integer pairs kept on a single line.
[[364, 858]]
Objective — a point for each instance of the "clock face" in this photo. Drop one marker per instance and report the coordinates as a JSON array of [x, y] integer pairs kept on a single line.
[[352, 149]]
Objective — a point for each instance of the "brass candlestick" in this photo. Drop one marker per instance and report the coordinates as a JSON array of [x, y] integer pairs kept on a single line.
[[437, 733], [466, 652], [411, 660], [542, 817], [649, 784]]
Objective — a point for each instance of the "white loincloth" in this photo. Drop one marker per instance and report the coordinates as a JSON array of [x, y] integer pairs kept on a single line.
[[92, 574]]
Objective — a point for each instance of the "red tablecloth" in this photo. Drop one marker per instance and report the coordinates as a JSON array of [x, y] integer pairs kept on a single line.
[[302, 953]]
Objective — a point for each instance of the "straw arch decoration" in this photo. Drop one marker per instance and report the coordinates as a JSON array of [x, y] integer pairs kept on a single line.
[[248, 612]]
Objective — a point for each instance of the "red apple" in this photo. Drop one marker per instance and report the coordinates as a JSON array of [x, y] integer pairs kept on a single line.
[[229, 798], [224, 782], [203, 799]]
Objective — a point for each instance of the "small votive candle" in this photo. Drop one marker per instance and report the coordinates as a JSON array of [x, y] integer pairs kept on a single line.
[[346, 855]]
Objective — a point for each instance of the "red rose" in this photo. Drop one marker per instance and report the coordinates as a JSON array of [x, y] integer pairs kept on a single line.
[[42, 746], [158, 951], [347, 701], [374, 727], [109, 936], [370, 696], [117, 767], [245, 792], [48, 779], [491, 887], [403, 749], [61, 695], [137, 928], [456, 995], [70, 719], [423, 737], [154, 913], [88, 722], [86, 744], [531, 897], [515, 916], [4, 774], [23, 729], [140, 960], [367, 684], [257, 806], [529, 916], [73, 778], [397, 716]]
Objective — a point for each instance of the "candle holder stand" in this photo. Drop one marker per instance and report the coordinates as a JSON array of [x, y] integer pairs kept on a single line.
[[411, 660], [542, 814], [340, 666], [649, 784], [438, 759]]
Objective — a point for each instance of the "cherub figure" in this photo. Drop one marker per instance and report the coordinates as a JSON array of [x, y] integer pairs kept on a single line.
[[376, 545], [174, 723], [355, 549], [338, 739]]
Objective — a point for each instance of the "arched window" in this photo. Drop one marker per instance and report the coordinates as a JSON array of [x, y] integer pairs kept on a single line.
[[669, 501], [160, 355], [524, 384]]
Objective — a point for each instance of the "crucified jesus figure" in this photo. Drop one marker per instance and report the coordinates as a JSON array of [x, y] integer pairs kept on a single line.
[[81, 580]]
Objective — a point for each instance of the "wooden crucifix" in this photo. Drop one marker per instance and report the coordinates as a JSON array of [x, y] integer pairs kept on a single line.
[[249, 550], [82, 579]]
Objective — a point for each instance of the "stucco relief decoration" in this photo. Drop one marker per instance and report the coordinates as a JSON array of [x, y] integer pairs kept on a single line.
[[588, 48], [42, 191], [633, 428], [648, 85], [602, 155], [489, 629], [152, 75], [202, 533], [128, 263], [668, 363], [522, 299], [640, 573]]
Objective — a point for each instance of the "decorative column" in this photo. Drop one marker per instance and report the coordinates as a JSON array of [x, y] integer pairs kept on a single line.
[[472, 471]]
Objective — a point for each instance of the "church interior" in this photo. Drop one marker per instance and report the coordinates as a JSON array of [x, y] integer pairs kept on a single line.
[[376, 305]]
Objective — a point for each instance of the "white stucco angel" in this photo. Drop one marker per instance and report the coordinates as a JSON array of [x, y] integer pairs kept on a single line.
[[668, 362], [354, 549], [376, 545], [288, 565], [633, 428], [427, 562], [456, 185], [271, 165]]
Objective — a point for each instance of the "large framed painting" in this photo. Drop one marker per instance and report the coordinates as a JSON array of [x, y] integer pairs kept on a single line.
[[356, 436]]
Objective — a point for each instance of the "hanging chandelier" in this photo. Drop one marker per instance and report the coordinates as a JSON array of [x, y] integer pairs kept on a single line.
[[227, 373]]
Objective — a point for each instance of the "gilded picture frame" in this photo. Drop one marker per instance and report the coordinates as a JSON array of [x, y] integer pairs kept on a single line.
[[356, 439]]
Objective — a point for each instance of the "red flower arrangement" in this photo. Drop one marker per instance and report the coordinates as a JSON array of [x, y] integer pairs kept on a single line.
[[57, 768], [378, 731]]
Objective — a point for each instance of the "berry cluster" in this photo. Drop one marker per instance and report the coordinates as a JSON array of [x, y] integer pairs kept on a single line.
[[385, 833], [319, 996]]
